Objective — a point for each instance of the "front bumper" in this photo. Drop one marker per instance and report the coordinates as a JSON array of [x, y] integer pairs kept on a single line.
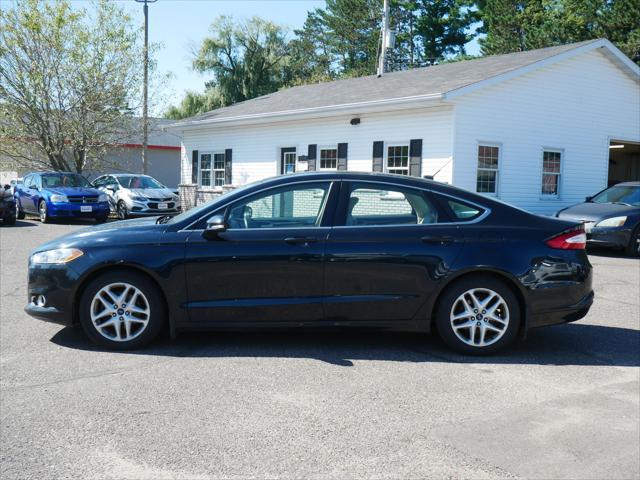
[[56, 283], [7, 210], [150, 208], [98, 209], [616, 237]]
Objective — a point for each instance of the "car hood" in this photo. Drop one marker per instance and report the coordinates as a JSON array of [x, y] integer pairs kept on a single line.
[[134, 231], [595, 212], [72, 191], [152, 192]]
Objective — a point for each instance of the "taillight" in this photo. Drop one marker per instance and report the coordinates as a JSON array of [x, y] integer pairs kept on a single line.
[[574, 239]]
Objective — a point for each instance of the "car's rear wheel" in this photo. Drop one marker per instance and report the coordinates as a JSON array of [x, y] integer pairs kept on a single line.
[[19, 211], [122, 210], [42, 210], [122, 310], [633, 249], [478, 315]]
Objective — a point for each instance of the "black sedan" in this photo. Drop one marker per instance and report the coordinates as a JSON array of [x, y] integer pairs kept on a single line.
[[611, 217], [320, 250]]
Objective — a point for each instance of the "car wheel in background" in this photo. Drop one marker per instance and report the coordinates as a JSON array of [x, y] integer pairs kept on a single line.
[[633, 249], [19, 211], [122, 210], [478, 315], [42, 210], [122, 310]]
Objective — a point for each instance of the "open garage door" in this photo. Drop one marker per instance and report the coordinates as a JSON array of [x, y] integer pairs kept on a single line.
[[624, 161]]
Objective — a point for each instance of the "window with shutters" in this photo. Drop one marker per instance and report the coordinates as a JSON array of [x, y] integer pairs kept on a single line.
[[328, 158], [488, 168], [551, 167], [211, 169], [397, 161]]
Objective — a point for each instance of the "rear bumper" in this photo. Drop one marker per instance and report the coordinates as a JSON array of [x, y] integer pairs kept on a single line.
[[100, 209], [566, 314]]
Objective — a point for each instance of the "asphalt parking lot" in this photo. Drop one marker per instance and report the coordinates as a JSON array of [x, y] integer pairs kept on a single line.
[[563, 404]]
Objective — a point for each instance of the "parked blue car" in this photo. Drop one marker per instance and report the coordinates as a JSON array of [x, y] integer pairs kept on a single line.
[[60, 195]]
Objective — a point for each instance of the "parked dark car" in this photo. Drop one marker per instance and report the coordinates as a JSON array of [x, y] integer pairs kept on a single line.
[[60, 195], [611, 217], [7, 206], [317, 250]]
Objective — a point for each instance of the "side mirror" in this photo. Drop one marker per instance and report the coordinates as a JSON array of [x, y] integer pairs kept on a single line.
[[215, 225]]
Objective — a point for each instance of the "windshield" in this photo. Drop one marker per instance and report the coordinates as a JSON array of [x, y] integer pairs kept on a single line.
[[138, 181], [64, 180], [626, 194]]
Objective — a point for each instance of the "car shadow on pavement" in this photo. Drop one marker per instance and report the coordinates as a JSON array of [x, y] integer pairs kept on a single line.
[[570, 344], [18, 224]]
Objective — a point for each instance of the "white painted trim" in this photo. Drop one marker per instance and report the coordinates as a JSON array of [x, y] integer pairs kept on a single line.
[[318, 159], [385, 157], [482, 143], [356, 108], [632, 68]]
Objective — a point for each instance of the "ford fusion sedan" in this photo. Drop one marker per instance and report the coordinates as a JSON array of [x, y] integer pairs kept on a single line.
[[138, 195], [336, 250], [611, 217], [53, 195]]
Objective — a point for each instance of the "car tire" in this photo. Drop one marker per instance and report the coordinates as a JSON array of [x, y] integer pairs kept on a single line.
[[19, 211], [43, 213], [470, 329], [107, 326], [633, 249], [122, 210]]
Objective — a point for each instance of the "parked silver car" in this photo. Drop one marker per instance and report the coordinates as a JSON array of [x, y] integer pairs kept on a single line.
[[138, 195]]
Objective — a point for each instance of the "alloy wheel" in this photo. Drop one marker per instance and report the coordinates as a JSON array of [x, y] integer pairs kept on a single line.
[[120, 312], [479, 317], [122, 211], [43, 212]]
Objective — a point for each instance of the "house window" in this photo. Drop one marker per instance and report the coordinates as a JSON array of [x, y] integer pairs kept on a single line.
[[488, 162], [551, 163], [205, 170], [328, 159], [398, 159], [218, 169], [212, 169]]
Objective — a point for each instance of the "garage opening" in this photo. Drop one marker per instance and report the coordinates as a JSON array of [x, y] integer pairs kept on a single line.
[[624, 161]]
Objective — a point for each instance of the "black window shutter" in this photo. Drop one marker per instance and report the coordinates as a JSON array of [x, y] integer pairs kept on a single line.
[[228, 159], [342, 156], [378, 156], [194, 167], [415, 158], [311, 158]]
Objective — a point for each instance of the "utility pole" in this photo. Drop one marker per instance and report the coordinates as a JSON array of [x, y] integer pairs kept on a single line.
[[145, 105], [384, 40]]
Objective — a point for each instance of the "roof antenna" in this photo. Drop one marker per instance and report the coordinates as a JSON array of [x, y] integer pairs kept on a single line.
[[387, 39]]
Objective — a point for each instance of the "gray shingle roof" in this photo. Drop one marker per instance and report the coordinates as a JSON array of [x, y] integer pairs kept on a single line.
[[437, 79]]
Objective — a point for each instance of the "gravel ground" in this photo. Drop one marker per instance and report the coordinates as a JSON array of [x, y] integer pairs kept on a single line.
[[563, 404]]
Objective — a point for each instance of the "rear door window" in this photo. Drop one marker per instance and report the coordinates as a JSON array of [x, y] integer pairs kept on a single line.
[[459, 210], [372, 204]]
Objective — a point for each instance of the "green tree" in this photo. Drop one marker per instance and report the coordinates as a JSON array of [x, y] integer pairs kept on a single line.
[[67, 82]]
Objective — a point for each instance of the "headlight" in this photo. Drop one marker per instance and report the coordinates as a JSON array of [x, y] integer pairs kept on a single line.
[[103, 197], [612, 222], [137, 199], [57, 256], [59, 198]]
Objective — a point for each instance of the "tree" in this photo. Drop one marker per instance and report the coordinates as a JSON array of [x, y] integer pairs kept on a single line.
[[67, 82]]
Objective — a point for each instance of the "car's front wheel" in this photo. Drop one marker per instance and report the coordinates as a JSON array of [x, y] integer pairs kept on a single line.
[[633, 249], [122, 310], [44, 213], [122, 210], [478, 315]]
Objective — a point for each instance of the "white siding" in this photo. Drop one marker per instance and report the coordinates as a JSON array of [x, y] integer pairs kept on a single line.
[[576, 105], [256, 148]]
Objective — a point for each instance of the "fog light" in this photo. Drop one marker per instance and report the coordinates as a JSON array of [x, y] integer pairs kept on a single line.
[[41, 301]]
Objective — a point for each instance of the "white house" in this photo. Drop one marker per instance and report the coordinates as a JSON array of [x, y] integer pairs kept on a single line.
[[540, 129]]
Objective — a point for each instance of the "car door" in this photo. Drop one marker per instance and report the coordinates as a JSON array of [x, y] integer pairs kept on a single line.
[[30, 196], [387, 252], [268, 264]]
